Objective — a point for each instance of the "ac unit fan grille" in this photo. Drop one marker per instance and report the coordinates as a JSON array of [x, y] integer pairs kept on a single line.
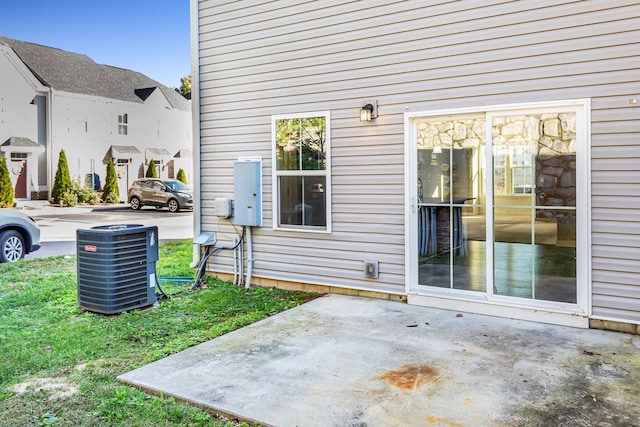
[[114, 269]]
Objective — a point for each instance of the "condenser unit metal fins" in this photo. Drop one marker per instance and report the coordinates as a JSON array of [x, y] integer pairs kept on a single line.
[[116, 267]]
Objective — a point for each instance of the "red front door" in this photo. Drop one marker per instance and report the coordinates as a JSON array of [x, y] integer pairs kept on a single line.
[[19, 168]]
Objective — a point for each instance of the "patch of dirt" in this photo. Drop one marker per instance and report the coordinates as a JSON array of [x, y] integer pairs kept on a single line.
[[58, 387]]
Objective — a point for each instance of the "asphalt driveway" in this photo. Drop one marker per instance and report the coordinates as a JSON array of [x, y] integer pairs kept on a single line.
[[58, 225], [348, 361]]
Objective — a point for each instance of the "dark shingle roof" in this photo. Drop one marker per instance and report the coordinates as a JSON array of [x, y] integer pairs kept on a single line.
[[77, 73]]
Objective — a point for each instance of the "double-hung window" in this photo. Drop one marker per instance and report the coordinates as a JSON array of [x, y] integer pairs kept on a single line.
[[302, 177], [123, 124], [513, 170]]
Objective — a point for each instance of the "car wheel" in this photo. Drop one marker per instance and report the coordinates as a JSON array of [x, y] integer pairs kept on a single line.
[[135, 203], [12, 246], [173, 205]]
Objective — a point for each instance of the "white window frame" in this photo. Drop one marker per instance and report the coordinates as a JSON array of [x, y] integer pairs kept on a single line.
[[326, 173], [123, 124]]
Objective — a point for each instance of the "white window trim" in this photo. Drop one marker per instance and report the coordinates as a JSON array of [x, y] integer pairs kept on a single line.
[[557, 313], [326, 173], [123, 124]]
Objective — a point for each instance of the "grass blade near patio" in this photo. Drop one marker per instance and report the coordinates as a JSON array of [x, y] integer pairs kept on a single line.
[[58, 363]]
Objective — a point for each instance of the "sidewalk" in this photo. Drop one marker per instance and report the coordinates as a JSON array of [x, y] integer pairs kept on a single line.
[[44, 207]]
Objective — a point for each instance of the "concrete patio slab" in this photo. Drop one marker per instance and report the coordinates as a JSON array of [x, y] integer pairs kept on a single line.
[[349, 361]]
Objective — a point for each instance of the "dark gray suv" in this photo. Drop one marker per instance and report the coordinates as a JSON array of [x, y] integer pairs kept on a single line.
[[169, 193]]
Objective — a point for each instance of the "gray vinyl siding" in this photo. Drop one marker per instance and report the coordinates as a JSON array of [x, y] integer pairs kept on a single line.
[[259, 59], [615, 204]]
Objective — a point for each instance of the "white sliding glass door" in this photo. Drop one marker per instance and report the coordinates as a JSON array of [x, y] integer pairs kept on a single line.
[[495, 209]]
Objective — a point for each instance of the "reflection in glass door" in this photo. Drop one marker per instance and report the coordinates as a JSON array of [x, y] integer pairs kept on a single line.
[[521, 200], [534, 206], [451, 203]]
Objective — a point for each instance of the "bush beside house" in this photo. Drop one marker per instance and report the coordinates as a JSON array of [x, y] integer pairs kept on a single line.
[[110, 191], [6, 187], [62, 182], [182, 176], [151, 170]]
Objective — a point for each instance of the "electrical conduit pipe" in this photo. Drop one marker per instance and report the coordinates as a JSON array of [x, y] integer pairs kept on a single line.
[[249, 259]]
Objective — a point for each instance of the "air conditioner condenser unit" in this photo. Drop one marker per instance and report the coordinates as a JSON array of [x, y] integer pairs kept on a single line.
[[116, 266]]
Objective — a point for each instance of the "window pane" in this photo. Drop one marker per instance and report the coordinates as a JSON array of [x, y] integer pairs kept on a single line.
[[302, 201], [512, 259], [301, 143], [288, 144], [434, 246], [555, 255], [556, 161], [469, 256], [522, 178], [500, 184]]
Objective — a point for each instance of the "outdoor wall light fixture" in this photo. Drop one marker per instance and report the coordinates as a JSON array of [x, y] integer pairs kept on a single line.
[[369, 111]]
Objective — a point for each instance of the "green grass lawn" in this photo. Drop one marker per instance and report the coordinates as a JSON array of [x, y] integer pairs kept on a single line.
[[58, 364]]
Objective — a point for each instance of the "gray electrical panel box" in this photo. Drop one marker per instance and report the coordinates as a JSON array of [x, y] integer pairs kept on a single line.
[[247, 178]]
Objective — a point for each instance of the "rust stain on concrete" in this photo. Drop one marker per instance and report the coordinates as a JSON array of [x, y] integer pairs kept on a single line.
[[439, 420], [411, 376]]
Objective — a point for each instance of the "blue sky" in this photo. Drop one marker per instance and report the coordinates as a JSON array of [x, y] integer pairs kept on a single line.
[[148, 36]]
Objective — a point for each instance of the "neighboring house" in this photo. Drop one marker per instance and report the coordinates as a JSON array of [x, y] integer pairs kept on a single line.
[[499, 174], [51, 100]]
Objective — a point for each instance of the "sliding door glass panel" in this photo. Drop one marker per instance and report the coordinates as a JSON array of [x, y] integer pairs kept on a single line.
[[513, 141], [434, 214], [468, 208], [450, 200], [555, 229], [534, 171]]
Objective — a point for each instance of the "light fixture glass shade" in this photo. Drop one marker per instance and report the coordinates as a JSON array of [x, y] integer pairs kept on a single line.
[[365, 112], [437, 145]]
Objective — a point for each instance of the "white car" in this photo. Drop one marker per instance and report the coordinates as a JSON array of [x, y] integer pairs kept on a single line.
[[19, 235]]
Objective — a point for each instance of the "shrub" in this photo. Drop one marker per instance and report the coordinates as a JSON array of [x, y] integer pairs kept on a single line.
[[87, 196], [151, 170], [182, 176], [6, 186], [84, 194], [110, 191], [69, 198], [62, 182]]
